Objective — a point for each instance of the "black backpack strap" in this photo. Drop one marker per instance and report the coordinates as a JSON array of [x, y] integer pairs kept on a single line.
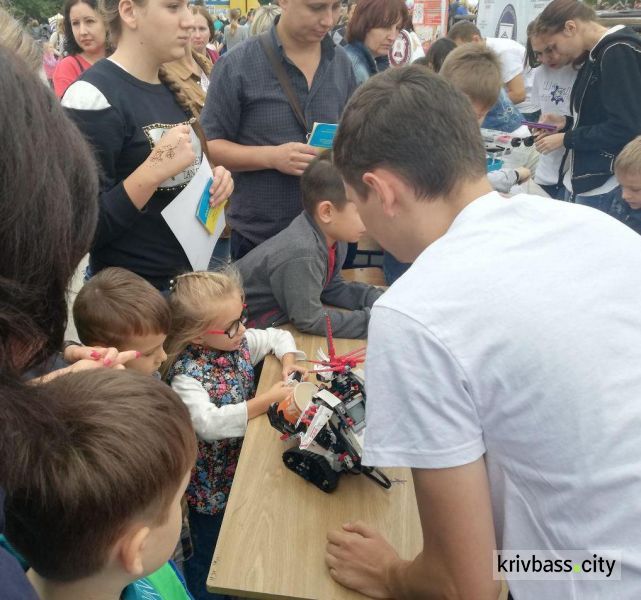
[[80, 65], [283, 78]]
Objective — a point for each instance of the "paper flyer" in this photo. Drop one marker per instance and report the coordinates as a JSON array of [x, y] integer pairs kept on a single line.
[[197, 227]]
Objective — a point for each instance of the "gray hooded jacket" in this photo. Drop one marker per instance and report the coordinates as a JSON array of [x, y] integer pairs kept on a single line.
[[286, 279]]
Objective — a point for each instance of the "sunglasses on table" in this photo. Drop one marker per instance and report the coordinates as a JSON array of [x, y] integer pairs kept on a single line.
[[527, 142], [234, 327]]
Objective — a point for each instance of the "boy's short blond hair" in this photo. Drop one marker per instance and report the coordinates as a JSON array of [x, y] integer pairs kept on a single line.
[[629, 160], [115, 305], [475, 70]]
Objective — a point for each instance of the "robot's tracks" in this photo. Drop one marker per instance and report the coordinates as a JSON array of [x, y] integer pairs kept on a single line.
[[311, 467]]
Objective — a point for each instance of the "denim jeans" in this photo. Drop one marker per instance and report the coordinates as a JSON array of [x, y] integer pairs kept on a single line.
[[220, 256], [613, 204], [240, 245], [204, 535], [392, 268], [602, 202], [631, 217], [556, 191]]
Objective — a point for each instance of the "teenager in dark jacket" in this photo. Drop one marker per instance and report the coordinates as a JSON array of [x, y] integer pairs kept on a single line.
[[606, 112]]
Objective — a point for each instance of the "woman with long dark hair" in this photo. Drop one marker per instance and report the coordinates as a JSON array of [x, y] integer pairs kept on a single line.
[[85, 42], [606, 112], [49, 211]]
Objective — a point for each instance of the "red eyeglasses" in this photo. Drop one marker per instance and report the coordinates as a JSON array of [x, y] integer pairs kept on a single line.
[[234, 327]]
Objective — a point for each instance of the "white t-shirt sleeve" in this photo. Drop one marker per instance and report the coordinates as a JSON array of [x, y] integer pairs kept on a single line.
[[82, 95], [263, 341], [419, 409], [511, 56], [210, 422]]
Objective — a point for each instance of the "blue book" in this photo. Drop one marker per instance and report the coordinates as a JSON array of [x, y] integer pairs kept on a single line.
[[322, 135]]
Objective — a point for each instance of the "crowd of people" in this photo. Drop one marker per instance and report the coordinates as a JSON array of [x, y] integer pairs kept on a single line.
[[501, 359]]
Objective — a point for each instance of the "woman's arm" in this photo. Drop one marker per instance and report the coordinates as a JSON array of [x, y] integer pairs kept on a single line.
[[619, 91]]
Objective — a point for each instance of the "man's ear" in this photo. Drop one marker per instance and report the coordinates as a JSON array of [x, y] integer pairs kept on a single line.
[[325, 211], [131, 550], [570, 28], [382, 187], [129, 13]]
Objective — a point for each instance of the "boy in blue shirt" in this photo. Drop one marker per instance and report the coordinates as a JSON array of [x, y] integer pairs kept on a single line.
[[95, 510]]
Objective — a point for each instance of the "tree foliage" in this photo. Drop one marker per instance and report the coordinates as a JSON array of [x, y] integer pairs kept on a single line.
[[35, 9]]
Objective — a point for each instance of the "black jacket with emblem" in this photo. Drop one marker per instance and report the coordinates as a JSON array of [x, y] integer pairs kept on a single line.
[[606, 103]]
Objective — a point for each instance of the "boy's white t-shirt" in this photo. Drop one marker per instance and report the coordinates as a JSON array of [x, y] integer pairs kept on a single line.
[[511, 56], [551, 91], [517, 335]]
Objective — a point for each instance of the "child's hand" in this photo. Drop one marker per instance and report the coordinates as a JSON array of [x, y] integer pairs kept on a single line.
[[289, 369], [524, 174], [278, 392]]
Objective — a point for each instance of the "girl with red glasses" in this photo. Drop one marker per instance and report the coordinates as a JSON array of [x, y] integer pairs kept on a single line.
[[211, 358]]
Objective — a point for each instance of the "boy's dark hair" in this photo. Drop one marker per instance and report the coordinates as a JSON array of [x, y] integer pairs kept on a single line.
[[437, 54], [49, 207], [117, 304], [322, 181], [475, 70], [412, 122], [117, 449], [464, 31]]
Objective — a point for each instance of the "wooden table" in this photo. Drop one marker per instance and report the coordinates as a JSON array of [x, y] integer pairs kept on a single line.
[[371, 275], [272, 541]]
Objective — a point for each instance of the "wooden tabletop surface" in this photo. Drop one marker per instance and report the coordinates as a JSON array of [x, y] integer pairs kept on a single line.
[[272, 541]]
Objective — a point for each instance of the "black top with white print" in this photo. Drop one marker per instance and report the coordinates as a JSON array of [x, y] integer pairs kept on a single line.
[[123, 118]]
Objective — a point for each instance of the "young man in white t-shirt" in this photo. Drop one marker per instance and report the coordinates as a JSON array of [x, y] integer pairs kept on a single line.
[[502, 367], [511, 56]]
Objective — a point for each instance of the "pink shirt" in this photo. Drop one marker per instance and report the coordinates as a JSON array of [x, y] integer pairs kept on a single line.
[[67, 71], [49, 62]]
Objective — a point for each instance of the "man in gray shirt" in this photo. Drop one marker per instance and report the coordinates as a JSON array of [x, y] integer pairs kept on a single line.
[[251, 126]]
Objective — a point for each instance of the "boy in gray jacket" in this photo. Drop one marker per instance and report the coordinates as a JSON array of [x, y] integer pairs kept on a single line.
[[290, 276]]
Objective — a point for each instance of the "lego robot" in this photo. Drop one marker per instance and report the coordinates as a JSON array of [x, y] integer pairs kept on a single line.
[[327, 438]]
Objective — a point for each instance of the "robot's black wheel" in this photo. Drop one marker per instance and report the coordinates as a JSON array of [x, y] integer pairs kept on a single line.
[[311, 467]]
